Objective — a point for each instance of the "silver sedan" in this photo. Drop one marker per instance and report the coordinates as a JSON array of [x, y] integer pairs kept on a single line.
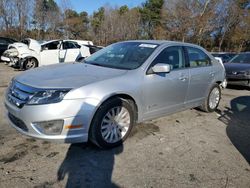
[[103, 97]]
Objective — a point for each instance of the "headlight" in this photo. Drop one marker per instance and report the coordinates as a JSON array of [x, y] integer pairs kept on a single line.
[[47, 97]]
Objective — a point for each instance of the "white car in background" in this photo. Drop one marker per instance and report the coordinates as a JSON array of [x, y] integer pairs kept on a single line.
[[29, 53]]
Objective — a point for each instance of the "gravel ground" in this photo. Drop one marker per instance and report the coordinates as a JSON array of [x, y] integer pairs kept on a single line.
[[187, 149]]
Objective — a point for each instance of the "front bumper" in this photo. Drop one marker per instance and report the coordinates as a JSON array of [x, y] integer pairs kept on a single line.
[[5, 59], [241, 80], [73, 113], [13, 61]]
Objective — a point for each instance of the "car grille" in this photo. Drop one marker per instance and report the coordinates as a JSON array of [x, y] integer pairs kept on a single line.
[[19, 94], [17, 122]]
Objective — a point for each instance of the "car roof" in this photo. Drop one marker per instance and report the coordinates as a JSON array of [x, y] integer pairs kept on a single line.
[[245, 53], [161, 42], [223, 53]]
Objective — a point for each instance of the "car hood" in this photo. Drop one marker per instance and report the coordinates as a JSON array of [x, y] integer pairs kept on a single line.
[[67, 75], [236, 67]]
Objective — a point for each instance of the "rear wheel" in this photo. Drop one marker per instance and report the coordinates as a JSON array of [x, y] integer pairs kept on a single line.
[[112, 123], [213, 99], [30, 64]]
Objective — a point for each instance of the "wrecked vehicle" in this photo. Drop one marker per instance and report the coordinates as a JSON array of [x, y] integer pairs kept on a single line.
[[29, 53]]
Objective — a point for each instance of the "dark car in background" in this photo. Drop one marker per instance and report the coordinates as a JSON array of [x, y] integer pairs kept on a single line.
[[225, 56], [238, 70], [4, 43]]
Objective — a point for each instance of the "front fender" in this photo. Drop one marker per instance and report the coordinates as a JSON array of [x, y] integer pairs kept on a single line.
[[23, 59]]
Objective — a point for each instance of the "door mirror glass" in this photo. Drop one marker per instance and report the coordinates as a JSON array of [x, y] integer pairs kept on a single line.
[[161, 68]]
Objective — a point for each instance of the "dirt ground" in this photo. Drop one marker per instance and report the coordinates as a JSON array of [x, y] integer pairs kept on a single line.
[[187, 149]]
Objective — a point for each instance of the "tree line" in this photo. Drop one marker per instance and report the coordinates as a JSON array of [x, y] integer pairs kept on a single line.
[[218, 25]]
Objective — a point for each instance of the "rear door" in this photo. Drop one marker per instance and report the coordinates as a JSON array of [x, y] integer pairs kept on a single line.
[[201, 75], [69, 52], [165, 92]]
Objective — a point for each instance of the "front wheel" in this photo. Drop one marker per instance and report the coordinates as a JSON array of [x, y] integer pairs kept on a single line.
[[213, 99], [30, 64], [112, 123]]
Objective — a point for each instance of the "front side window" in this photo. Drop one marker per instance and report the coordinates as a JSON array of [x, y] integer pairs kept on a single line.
[[51, 46], [173, 56], [125, 55], [197, 58]]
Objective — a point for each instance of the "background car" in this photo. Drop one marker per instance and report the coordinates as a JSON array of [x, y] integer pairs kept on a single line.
[[4, 43], [238, 70], [18, 49], [30, 53], [225, 56]]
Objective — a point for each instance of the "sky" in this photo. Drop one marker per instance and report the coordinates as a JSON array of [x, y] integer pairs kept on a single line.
[[92, 5]]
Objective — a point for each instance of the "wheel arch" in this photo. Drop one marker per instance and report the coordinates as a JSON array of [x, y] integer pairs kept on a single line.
[[123, 96], [27, 58]]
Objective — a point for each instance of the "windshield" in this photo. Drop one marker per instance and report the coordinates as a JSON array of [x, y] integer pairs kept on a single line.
[[126, 55], [241, 58], [25, 41]]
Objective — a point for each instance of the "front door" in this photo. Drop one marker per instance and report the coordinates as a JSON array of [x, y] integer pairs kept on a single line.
[[165, 93]]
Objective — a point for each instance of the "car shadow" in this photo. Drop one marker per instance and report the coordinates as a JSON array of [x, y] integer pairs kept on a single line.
[[237, 119], [88, 166]]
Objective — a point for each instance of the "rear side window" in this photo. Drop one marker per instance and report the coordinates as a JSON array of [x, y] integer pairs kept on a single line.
[[197, 58], [173, 56], [69, 45]]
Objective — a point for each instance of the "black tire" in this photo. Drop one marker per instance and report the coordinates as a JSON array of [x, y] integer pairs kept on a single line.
[[205, 106], [30, 64], [95, 133]]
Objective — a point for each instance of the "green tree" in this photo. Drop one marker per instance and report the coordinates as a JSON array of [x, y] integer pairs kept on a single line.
[[151, 17], [47, 16], [97, 20], [123, 9], [76, 25]]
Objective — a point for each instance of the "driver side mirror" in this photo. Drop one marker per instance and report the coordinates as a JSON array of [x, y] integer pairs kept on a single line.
[[161, 68]]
